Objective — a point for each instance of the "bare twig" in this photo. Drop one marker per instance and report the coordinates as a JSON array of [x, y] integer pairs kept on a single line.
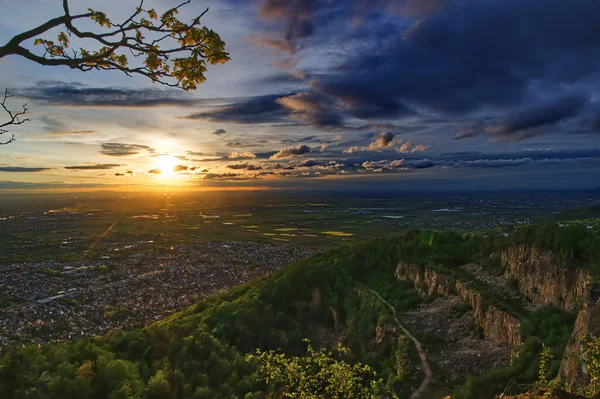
[[14, 118]]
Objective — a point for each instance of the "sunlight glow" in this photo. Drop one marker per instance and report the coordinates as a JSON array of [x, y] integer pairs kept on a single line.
[[166, 164]]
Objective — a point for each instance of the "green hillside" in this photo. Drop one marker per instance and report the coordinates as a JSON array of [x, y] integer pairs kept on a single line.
[[202, 351]]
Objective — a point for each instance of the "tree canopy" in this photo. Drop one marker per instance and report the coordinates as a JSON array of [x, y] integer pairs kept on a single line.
[[157, 46]]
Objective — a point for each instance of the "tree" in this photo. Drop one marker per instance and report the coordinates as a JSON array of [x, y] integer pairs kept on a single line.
[[317, 375], [162, 48]]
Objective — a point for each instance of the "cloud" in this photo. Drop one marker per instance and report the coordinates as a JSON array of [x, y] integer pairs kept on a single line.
[[410, 164], [201, 154], [76, 95], [458, 61], [102, 166], [182, 168], [22, 169], [124, 150], [126, 173], [215, 176], [297, 16], [74, 132], [220, 132], [244, 166], [312, 108], [291, 152], [155, 171], [363, 103], [242, 155], [409, 148], [469, 130], [383, 140], [309, 163], [274, 44], [253, 110], [518, 125], [388, 140], [595, 124]]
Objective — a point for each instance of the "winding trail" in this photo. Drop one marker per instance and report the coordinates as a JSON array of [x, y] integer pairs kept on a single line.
[[426, 369]]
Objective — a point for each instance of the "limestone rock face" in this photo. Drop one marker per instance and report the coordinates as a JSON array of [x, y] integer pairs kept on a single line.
[[572, 369], [544, 279], [496, 324]]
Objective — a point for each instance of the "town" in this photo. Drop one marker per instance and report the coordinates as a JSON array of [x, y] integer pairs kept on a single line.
[[46, 301]]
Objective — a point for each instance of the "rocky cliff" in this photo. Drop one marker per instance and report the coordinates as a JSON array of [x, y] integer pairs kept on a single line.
[[496, 324], [546, 279], [572, 369]]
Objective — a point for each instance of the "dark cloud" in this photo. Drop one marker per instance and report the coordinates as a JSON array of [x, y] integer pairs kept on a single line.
[[126, 173], [62, 94], [312, 108], [261, 109], [21, 169], [220, 132], [292, 152], [244, 166], [297, 16], [303, 139], [595, 125], [309, 163], [101, 166], [466, 57], [469, 130], [383, 140], [124, 150], [363, 103], [215, 176], [302, 18], [155, 171], [519, 124], [406, 164]]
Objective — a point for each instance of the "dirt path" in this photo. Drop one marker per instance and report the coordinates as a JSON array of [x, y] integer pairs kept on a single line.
[[426, 369]]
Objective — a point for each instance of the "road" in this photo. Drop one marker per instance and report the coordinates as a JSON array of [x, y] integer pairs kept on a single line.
[[426, 369]]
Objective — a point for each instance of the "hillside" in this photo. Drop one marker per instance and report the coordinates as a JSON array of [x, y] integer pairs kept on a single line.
[[481, 327]]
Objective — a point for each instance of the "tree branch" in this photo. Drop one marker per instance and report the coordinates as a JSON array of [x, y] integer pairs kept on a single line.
[[15, 118], [195, 45]]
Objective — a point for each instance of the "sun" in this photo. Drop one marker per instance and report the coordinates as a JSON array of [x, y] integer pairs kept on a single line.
[[166, 163]]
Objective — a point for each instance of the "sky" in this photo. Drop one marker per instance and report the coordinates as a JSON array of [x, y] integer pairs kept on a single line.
[[390, 94]]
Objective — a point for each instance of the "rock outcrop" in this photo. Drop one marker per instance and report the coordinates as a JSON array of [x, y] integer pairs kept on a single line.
[[572, 368], [546, 279], [496, 324]]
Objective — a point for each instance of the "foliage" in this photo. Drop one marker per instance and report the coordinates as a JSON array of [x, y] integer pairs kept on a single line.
[[170, 51], [161, 48], [591, 356], [544, 372], [318, 374]]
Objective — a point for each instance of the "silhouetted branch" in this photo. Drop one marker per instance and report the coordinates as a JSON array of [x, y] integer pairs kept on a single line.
[[15, 118]]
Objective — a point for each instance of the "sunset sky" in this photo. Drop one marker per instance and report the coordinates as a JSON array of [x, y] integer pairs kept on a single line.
[[406, 95]]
